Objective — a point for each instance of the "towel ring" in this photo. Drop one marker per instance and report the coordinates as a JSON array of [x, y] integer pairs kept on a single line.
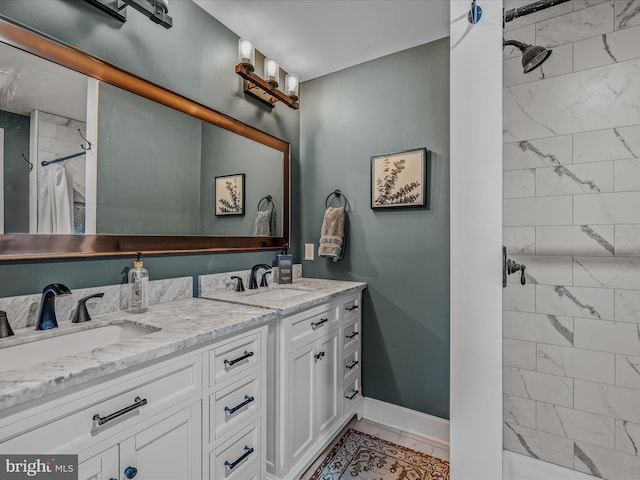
[[337, 194], [268, 199]]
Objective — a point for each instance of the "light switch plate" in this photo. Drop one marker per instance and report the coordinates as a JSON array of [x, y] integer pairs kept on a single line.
[[309, 251]]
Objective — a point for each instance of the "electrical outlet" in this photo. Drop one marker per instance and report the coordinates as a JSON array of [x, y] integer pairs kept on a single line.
[[309, 251]]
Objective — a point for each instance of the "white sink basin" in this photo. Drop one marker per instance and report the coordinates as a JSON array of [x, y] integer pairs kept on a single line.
[[281, 293], [47, 348]]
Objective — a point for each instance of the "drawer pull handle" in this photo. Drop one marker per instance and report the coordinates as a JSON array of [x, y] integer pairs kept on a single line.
[[319, 356], [352, 396], [247, 401], [130, 472], [139, 402], [350, 309], [353, 335], [355, 362], [232, 465], [315, 325], [231, 363]]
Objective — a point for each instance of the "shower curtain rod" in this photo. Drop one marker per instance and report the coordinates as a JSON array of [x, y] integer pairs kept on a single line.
[[61, 159], [531, 8]]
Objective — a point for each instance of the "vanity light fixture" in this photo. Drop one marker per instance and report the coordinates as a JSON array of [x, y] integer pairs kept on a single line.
[[265, 89], [156, 10]]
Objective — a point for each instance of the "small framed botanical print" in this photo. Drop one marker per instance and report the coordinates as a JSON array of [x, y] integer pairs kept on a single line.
[[229, 195], [399, 180]]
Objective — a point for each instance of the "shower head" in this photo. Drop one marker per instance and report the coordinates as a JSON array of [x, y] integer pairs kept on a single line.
[[532, 55]]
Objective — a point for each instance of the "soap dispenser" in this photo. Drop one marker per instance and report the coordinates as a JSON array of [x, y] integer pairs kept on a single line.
[[284, 262], [138, 287]]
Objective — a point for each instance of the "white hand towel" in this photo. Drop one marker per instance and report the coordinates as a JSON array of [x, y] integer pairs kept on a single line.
[[262, 224], [332, 234]]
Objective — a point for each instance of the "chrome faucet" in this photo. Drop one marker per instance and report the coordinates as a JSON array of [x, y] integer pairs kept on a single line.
[[253, 282], [47, 313]]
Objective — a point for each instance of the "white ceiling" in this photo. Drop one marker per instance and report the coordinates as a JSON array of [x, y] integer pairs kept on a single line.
[[29, 83], [316, 37]]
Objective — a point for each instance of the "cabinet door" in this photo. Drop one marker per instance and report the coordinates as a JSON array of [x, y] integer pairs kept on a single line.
[[168, 450], [103, 466], [328, 387], [301, 404]]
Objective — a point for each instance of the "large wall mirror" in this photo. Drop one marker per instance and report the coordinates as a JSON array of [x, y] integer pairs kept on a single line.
[[97, 161]]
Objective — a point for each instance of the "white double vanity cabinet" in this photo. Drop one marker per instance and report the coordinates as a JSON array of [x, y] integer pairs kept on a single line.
[[225, 387]]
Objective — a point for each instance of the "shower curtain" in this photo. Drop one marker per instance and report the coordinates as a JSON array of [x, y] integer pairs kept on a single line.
[[55, 200]]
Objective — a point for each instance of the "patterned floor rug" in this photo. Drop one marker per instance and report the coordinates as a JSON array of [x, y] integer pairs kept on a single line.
[[358, 456]]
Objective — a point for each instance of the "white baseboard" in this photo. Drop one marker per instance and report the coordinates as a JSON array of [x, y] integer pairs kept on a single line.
[[407, 420]]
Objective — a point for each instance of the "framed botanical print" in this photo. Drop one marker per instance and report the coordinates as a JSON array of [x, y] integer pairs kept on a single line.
[[229, 195], [399, 180]]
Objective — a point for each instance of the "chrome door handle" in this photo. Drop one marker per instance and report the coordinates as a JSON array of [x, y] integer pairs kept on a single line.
[[315, 325], [247, 401], [139, 402], [231, 363], [232, 465]]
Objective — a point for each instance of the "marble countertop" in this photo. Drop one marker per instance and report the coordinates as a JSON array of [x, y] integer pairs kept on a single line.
[[182, 323], [313, 292]]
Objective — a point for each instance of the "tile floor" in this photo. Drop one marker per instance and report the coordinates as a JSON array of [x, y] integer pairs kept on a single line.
[[404, 439]]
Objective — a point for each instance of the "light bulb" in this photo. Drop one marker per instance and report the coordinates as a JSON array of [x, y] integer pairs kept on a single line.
[[271, 71], [246, 51], [291, 85]]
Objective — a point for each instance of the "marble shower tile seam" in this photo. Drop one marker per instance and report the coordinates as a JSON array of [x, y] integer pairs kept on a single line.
[[597, 129], [557, 375], [579, 132], [572, 408], [574, 437], [605, 321]]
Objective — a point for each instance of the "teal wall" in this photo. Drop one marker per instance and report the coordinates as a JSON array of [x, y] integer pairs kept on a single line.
[[16, 171], [195, 58], [391, 104]]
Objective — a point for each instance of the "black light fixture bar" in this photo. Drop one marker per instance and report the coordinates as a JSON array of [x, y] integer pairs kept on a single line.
[[534, 7], [110, 7], [117, 9], [154, 13]]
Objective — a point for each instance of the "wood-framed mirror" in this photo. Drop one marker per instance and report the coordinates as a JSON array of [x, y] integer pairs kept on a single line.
[[140, 210]]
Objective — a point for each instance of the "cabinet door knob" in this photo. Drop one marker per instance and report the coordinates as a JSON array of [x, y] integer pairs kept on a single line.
[[130, 472], [319, 355]]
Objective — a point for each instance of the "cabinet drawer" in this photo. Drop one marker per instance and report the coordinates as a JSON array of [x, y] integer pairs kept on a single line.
[[313, 323], [351, 308], [351, 363], [239, 458], [351, 335], [234, 405], [351, 393], [232, 358], [74, 430]]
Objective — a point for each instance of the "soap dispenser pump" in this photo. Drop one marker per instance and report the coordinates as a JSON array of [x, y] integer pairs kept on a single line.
[[138, 284]]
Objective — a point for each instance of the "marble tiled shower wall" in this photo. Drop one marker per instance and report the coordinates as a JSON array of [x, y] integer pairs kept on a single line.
[[572, 216]]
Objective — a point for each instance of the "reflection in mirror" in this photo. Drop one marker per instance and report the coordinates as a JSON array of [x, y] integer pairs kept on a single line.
[[43, 110], [156, 166], [149, 170], [157, 169]]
